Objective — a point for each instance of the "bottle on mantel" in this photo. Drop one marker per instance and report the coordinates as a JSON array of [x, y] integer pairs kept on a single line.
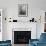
[[32, 19]]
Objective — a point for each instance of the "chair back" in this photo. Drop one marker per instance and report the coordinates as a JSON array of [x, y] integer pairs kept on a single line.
[[42, 37]]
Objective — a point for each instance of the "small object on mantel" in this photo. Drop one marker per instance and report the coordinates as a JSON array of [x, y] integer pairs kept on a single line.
[[5, 18], [14, 20], [9, 21], [9, 18], [35, 21], [30, 20]]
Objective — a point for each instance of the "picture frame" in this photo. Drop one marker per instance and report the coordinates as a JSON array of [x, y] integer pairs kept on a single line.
[[22, 10]]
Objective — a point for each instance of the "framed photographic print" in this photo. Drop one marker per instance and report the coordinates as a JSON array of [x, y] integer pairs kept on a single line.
[[22, 10]]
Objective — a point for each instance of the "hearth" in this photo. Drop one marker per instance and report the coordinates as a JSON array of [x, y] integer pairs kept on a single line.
[[22, 37]]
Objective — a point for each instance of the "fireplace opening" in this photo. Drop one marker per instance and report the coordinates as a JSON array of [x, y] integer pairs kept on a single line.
[[22, 37]]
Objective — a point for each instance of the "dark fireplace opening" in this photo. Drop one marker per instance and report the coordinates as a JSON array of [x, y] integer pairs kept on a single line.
[[22, 37]]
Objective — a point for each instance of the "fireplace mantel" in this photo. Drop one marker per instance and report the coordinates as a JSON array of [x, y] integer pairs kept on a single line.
[[26, 27], [21, 29]]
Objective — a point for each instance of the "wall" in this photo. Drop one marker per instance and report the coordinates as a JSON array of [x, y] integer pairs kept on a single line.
[[34, 3]]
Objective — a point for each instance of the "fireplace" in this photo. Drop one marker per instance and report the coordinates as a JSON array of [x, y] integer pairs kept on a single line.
[[22, 37]]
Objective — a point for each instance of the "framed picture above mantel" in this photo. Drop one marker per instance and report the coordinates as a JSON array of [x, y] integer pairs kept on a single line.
[[22, 10]]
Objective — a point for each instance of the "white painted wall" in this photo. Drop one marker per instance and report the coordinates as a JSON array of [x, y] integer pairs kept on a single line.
[[34, 3]]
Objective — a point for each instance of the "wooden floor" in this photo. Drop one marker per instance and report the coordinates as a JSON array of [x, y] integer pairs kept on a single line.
[[20, 45]]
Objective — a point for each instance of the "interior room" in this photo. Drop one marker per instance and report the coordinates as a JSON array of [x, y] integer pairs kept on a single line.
[[22, 22]]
